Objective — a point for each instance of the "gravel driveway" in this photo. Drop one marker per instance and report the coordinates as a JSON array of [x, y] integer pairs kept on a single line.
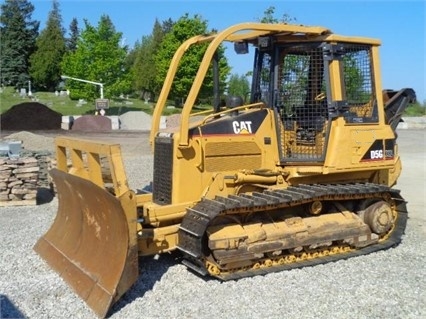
[[388, 284]]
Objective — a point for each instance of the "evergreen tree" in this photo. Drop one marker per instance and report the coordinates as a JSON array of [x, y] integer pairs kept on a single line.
[[18, 41], [167, 25], [144, 68], [99, 57], [74, 34], [46, 60]]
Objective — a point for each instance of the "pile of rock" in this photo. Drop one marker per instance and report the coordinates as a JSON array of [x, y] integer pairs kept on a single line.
[[22, 177]]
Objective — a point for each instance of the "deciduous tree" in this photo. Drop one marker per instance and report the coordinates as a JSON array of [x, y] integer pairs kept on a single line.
[[99, 57], [238, 85], [182, 30], [269, 17]]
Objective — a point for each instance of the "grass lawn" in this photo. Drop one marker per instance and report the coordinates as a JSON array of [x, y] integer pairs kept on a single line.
[[64, 105]]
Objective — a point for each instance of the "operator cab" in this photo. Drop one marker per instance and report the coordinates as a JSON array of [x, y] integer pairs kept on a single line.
[[309, 84]]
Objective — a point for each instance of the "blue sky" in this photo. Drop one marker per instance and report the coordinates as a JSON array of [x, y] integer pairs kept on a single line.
[[400, 25]]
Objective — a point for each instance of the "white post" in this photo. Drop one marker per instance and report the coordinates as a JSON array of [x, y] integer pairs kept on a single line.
[[29, 89], [86, 81]]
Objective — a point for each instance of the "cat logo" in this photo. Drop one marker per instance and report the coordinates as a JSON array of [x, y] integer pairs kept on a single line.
[[242, 127]]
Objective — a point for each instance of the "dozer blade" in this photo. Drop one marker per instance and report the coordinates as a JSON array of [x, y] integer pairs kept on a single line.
[[89, 243]]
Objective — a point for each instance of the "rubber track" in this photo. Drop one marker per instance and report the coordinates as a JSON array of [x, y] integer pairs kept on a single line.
[[195, 223]]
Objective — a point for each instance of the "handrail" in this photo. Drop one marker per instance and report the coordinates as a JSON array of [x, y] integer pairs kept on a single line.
[[162, 99], [242, 107]]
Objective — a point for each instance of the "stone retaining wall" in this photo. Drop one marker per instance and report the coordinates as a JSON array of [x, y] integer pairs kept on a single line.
[[21, 177]]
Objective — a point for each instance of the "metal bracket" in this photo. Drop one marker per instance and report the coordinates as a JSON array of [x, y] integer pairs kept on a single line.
[[333, 51], [337, 108]]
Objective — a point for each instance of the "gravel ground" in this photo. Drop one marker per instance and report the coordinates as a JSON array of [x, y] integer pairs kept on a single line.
[[389, 284]]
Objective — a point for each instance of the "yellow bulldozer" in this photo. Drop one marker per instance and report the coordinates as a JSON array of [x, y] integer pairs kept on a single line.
[[298, 173]]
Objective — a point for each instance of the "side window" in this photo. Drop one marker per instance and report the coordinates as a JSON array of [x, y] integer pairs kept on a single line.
[[301, 82], [292, 80], [301, 98], [358, 84], [261, 85]]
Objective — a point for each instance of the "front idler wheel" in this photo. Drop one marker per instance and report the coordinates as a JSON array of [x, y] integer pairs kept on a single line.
[[379, 217]]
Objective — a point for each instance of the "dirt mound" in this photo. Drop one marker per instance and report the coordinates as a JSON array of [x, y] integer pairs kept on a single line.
[[31, 141], [29, 116], [92, 123]]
